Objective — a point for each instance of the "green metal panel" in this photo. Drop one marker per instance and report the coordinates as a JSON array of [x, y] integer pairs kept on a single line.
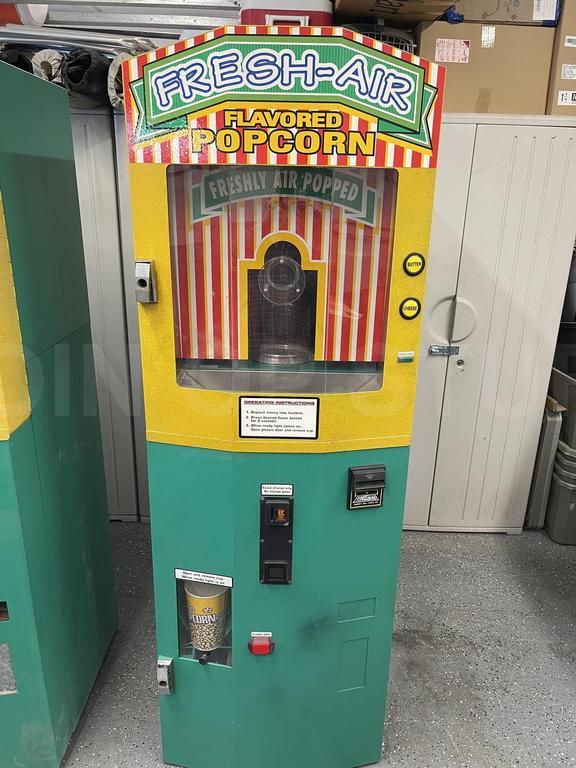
[[319, 699], [70, 569], [25, 723], [55, 557], [38, 187]]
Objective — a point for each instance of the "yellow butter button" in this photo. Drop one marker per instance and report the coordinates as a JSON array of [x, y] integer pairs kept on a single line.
[[414, 264], [410, 308]]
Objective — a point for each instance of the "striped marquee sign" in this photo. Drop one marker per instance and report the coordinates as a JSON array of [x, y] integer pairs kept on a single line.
[[287, 131], [345, 235], [305, 96]]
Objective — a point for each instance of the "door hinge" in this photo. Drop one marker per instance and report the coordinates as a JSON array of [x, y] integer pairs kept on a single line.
[[439, 350]]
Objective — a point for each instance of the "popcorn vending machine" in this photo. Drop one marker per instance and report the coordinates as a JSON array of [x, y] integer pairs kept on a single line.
[[282, 182]]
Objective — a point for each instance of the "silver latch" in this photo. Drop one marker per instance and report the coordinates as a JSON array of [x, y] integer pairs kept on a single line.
[[438, 350], [165, 676], [145, 282]]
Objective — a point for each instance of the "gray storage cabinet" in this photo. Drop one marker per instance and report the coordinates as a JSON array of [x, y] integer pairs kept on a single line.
[[502, 238]]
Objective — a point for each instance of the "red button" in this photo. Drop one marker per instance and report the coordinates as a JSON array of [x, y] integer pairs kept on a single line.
[[260, 646]]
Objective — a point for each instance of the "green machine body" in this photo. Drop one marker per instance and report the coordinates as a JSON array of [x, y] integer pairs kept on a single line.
[[57, 604]]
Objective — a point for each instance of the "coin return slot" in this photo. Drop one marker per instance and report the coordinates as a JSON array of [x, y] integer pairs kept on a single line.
[[276, 573], [4, 615]]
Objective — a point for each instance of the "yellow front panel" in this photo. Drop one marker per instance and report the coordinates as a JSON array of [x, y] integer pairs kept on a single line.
[[210, 419], [14, 398]]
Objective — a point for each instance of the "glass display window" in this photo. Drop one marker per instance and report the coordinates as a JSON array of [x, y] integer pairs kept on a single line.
[[280, 277]]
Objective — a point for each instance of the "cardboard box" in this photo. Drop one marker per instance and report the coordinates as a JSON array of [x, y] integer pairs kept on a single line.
[[536, 12], [398, 13], [562, 93], [496, 68], [404, 13]]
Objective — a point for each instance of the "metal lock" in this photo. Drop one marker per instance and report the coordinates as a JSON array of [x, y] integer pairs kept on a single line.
[[165, 676], [440, 350], [145, 282]]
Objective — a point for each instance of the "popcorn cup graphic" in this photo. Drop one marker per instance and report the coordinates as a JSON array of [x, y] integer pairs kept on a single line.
[[207, 614]]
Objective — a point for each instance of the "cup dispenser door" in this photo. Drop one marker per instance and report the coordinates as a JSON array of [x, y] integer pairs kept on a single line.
[[282, 308]]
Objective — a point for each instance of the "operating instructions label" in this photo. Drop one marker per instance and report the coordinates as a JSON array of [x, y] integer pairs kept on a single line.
[[279, 417], [205, 578]]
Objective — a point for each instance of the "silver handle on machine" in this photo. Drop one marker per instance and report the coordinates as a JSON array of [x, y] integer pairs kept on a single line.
[[446, 350], [463, 320], [462, 323], [145, 282]]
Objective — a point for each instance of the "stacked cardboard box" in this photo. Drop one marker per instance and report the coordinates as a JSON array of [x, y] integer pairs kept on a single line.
[[562, 92], [533, 12], [404, 13], [507, 57], [398, 13], [496, 68]]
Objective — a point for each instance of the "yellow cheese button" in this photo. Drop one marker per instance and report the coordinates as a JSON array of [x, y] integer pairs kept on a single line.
[[410, 308], [414, 264]]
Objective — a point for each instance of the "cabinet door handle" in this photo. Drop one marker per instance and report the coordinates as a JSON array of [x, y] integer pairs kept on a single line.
[[464, 320]]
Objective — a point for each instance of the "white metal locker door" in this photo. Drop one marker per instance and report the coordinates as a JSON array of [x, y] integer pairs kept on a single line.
[[94, 156], [516, 252], [452, 180], [131, 310]]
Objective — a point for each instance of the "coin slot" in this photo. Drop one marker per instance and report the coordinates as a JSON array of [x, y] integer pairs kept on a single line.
[[276, 520]]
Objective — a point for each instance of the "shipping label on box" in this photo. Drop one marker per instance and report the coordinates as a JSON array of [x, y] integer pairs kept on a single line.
[[566, 99], [488, 36], [568, 72], [453, 51], [544, 10]]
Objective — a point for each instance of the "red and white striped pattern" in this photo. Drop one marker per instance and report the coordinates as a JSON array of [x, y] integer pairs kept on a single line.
[[175, 148], [206, 255], [317, 12]]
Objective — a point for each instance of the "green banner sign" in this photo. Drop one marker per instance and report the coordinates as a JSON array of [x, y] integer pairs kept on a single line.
[[245, 68]]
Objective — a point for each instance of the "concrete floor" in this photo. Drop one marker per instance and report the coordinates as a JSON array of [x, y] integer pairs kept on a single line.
[[483, 670]]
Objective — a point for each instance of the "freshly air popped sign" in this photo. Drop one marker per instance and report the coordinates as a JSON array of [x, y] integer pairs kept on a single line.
[[306, 95], [321, 184], [337, 187]]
